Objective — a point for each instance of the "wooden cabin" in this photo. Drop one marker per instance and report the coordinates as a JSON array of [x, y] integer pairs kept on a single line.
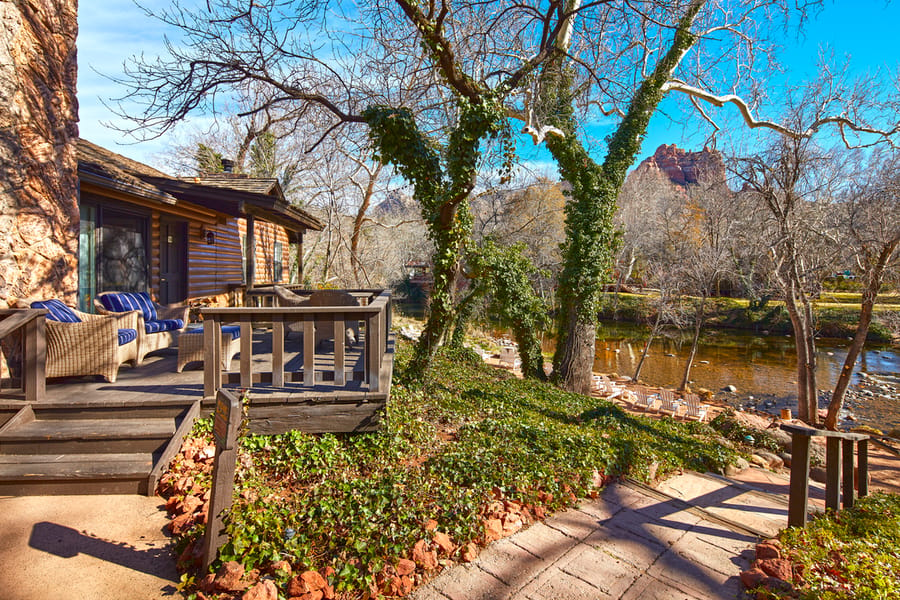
[[182, 239]]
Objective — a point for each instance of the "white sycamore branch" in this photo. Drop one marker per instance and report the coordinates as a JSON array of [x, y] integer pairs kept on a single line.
[[841, 121]]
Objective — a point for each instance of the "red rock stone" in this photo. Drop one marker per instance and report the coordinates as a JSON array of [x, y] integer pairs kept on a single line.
[[767, 550], [282, 566], [425, 558], [444, 542], [431, 525], [752, 577], [470, 552], [208, 583], [493, 530], [305, 583], [189, 505], [401, 586], [779, 568], [405, 566], [181, 523], [228, 577], [264, 590]]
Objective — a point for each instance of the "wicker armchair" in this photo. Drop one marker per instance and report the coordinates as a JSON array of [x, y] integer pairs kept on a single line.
[[86, 344], [158, 325]]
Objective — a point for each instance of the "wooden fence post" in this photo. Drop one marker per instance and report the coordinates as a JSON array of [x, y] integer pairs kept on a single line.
[[225, 429]]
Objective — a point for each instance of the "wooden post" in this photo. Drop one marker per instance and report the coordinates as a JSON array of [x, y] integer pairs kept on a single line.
[[246, 352], [309, 350], [799, 490], [225, 428], [849, 492], [212, 356], [278, 351], [832, 473], [862, 466], [34, 360], [340, 334]]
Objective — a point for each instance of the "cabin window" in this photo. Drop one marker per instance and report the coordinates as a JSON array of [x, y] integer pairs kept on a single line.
[[87, 258], [277, 263]]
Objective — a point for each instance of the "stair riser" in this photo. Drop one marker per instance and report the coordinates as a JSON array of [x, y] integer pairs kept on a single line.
[[148, 445], [74, 487], [151, 412]]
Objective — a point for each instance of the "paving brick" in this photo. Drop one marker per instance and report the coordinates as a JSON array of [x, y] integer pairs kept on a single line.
[[511, 564], [723, 537], [545, 542], [600, 508], [607, 573], [559, 585], [574, 523], [627, 497], [651, 588], [427, 592], [692, 571], [468, 582], [723, 560], [626, 545]]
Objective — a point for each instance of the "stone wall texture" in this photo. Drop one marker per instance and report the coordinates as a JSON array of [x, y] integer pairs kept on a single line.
[[38, 163]]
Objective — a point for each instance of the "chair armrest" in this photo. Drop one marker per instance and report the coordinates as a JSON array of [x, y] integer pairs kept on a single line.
[[173, 312], [133, 319]]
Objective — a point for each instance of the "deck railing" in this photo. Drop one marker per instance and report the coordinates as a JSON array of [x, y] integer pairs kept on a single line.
[[34, 351], [836, 468], [375, 314]]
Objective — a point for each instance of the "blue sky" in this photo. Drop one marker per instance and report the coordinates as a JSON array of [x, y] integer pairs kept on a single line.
[[110, 32]]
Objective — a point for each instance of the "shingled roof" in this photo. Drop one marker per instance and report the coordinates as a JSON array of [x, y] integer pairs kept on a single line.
[[237, 196]]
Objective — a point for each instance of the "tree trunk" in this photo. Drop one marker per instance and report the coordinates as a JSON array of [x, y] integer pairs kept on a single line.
[[590, 237], [698, 325], [799, 327], [653, 331], [870, 294], [574, 358], [358, 222]]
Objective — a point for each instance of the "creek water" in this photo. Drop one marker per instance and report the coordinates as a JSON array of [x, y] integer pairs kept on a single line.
[[761, 367]]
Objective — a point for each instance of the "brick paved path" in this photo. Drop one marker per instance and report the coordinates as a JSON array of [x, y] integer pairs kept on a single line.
[[625, 544]]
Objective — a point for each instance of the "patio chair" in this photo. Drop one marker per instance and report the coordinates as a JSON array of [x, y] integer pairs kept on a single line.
[[80, 344], [668, 403], [509, 357], [644, 398], [693, 408], [158, 326], [606, 388]]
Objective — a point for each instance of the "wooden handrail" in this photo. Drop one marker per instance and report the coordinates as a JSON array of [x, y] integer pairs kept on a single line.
[[836, 444], [375, 314], [34, 347]]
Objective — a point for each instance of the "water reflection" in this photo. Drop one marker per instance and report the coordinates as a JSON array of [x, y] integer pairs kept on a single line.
[[760, 366]]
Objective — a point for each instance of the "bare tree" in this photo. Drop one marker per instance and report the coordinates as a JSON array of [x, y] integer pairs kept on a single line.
[[869, 217]]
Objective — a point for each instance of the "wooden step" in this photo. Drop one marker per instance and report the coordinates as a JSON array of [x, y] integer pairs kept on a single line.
[[55, 474], [88, 436], [109, 410]]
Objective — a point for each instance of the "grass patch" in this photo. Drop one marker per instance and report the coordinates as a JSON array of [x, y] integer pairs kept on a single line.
[[851, 554], [455, 447]]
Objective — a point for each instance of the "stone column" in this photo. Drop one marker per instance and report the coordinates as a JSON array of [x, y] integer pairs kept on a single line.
[[38, 161]]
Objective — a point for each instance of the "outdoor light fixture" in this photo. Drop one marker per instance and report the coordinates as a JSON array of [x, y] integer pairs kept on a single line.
[[210, 235]]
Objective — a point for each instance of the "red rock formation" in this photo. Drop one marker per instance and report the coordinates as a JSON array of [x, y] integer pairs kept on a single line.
[[684, 168]]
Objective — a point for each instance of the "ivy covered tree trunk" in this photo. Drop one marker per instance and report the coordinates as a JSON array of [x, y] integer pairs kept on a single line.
[[590, 234], [443, 179]]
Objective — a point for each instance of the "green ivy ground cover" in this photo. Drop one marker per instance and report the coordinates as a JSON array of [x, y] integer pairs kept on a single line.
[[468, 436], [851, 554]]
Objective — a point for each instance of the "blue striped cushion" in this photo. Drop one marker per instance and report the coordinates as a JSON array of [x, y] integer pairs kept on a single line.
[[58, 311], [163, 325], [127, 335], [128, 301], [234, 330]]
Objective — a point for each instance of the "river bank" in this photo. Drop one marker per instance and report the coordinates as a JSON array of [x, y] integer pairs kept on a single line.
[[836, 313]]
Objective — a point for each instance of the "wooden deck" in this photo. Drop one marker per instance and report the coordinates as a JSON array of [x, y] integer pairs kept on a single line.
[[90, 436]]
